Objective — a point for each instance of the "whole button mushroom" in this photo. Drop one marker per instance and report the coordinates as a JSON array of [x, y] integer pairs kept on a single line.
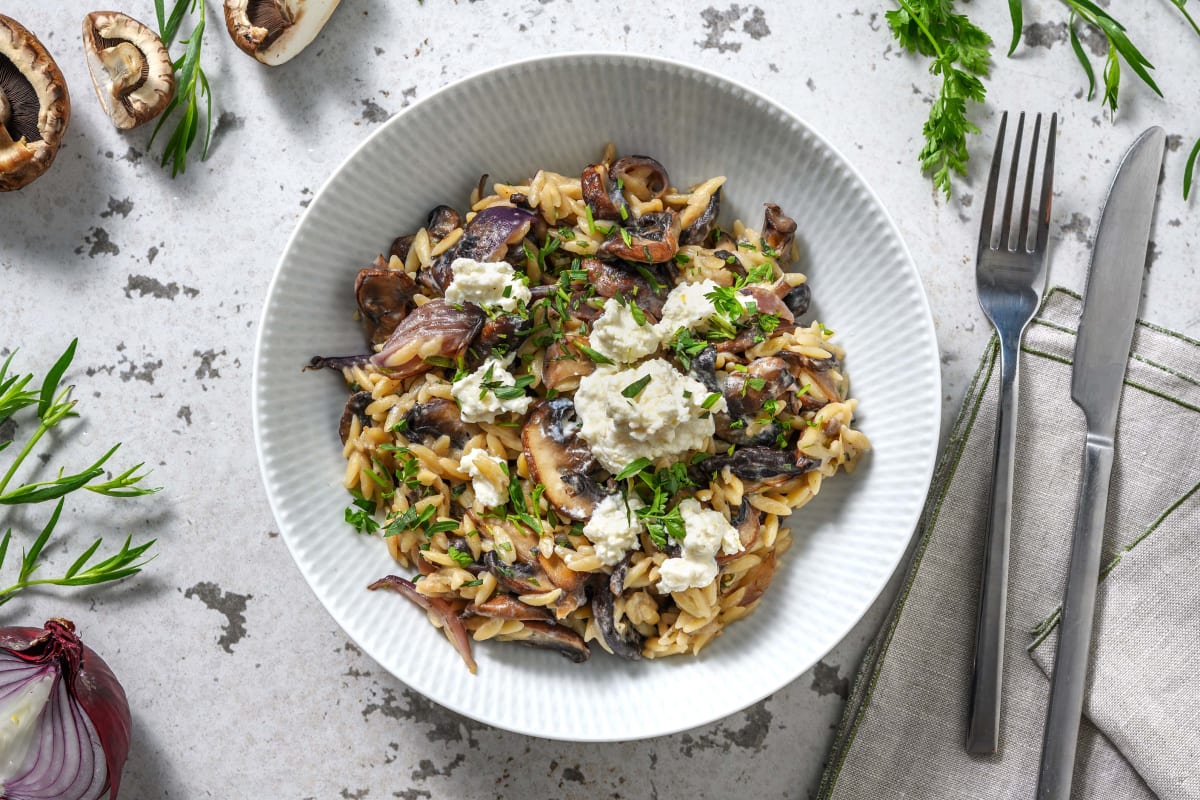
[[275, 31], [130, 68], [34, 106]]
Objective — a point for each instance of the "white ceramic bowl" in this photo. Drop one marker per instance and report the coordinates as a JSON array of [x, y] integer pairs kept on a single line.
[[557, 113]]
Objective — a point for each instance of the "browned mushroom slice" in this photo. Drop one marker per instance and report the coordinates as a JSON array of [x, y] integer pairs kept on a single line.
[[649, 239], [34, 106], [434, 329], [779, 230], [130, 68], [619, 635], [764, 379], [445, 612], [548, 636], [506, 606], [356, 406], [519, 577], [275, 31], [757, 466], [571, 582], [560, 459], [757, 579], [698, 232], [601, 194], [439, 223], [814, 373], [503, 333], [747, 519], [564, 365], [797, 299], [641, 176], [401, 245], [337, 362], [438, 417], [384, 297], [485, 238], [613, 279]]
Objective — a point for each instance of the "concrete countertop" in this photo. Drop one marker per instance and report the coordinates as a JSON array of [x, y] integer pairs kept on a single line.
[[241, 684]]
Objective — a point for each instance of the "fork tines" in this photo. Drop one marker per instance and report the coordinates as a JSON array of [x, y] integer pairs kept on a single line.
[[1005, 241]]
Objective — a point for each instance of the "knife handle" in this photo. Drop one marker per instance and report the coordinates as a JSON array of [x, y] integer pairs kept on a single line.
[[1069, 683], [983, 725]]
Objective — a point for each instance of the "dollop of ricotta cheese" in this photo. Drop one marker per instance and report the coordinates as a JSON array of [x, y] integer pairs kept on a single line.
[[477, 402], [686, 307], [615, 528], [666, 418], [617, 334], [488, 479], [706, 531], [488, 284]]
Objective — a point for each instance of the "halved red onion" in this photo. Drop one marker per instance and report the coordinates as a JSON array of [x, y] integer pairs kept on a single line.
[[64, 718]]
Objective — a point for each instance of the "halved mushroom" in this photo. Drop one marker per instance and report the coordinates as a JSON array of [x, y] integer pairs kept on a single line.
[[641, 176], [34, 106], [485, 238], [779, 231], [548, 636], [506, 606], [384, 297], [560, 459], [438, 417], [434, 329], [442, 609], [649, 239], [621, 637], [698, 232], [275, 31], [356, 406], [563, 365], [130, 68]]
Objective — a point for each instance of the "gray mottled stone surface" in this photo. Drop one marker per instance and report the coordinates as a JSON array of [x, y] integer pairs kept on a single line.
[[242, 685]]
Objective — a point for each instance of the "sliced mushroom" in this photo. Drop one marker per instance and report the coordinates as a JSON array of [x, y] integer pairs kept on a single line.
[[764, 379], [442, 609], [563, 365], [779, 231], [434, 329], [130, 68], [641, 176], [649, 239], [571, 582], [275, 31], [485, 238], [401, 245], [747, 519], [798, 299], [620, 636], [338, 363], [548, 636], [356, 406], [614, 279], [759, 466], [560, 459], [506, 606], [704, 369], [503, 333], [601, 194], [814, 373], [34, 106], [439, 223], [438, 417], [698, 232], [767, 302], [384, 297], [758, 579], [519, 577]]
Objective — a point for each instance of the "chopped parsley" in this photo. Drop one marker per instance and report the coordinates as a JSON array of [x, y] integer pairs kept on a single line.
[[462, 559], [362, 516], [686, 346]]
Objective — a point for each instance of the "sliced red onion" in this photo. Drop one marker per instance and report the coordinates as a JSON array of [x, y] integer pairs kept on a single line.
[[486, 238], [64, 718], [455, 632]]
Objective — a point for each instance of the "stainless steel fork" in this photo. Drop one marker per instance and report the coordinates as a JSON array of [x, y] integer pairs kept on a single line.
[[1010, 277]]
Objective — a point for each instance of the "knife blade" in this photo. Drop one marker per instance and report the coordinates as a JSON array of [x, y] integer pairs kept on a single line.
[[1101, 351]]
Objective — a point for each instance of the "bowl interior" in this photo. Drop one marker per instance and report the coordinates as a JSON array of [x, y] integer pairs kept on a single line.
[[557, 113]]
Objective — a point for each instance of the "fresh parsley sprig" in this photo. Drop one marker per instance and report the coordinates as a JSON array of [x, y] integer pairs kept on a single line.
[[961, 56], [191, 86], [52, 405]]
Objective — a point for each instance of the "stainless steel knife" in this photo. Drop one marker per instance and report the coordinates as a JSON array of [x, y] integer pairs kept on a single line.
[[1101, 352]]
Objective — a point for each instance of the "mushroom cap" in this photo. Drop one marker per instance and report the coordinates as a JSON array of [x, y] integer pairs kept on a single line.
[[35, 108], [130, 68], [275, 31]]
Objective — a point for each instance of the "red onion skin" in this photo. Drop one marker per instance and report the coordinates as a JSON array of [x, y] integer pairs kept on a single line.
[[89, 681]]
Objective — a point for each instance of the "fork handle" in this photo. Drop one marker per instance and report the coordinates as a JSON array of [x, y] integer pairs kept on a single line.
[[983, 726]]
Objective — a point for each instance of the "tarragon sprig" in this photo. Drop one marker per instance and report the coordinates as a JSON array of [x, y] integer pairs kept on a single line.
[[52, 404], [191, 85]]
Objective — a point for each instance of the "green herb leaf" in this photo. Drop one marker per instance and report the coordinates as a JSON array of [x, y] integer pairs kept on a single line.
[[599, 358], [635, 388], [1084, 61], [191, 86], [1189, 169], [633, 468], [464, 560], [1016, 12]]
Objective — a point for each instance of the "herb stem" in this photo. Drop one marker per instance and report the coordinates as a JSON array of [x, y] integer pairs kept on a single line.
[[924, 29]]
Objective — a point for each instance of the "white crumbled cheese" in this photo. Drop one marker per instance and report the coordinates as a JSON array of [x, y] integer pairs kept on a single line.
[[488, 492], [686, 307], [615, 527], [706, 531], [666, 418], [480, 404], [489, 284], [617, 334]]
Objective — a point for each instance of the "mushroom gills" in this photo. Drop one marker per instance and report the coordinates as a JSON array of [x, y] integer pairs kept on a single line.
[[384, 297], [18, 104], [276, 31], [560, 459], [438, 417], [35, 107], [130, 68]]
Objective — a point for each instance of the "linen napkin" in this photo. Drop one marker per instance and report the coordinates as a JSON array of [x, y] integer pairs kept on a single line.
[[904, 727]]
